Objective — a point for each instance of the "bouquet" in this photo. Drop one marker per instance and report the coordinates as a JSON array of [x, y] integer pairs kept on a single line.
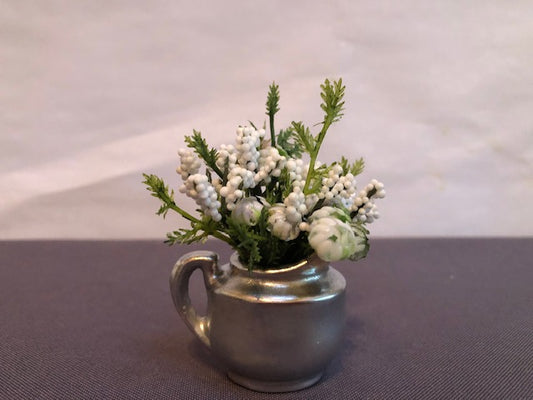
[[269, 197]]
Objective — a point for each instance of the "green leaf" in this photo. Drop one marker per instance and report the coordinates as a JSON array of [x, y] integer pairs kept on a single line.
[[332, 96], [246, 242], [315, 179], [272, 107], [304, 137], [288, 145], [272, 104], [200, 147], [361, 232], [355, 169]]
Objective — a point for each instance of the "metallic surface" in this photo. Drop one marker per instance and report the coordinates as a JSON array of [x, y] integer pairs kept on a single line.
[[274, 330]]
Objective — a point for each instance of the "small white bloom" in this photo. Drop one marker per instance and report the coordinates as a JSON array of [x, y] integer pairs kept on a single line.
[[199, 188], [279, 225], [334, 240], [189, 163], [248, 210], [327, 211], [363, 205]]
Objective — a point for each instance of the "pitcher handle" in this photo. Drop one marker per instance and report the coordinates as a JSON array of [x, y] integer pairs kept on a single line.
[[207, 261]]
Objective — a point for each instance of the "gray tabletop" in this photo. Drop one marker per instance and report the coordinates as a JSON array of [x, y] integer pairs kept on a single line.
[[427, 319]]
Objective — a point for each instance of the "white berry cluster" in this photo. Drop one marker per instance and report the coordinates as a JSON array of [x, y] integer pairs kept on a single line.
[[270, 164], [364, 206], [288, 218], [338, 188], [249, 165], [197, 187], [189, 163], [285, 219], [239, 178], [227, 154], [297, 172], [247, 146], [279, 225]]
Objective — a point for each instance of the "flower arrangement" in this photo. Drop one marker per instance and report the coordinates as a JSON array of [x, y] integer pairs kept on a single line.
[[263, 198]]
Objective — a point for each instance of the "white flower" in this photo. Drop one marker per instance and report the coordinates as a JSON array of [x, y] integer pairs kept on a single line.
[[248, 210], [328, 211], [295, 206], [363, 204], [226, 154], [333, 239], [189, 163], [247, 145], [270, 164], [197, 186], [239, 178], [279, 225]]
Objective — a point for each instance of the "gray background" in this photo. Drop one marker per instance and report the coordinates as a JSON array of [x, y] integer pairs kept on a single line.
[[439, 100], [426, 319]]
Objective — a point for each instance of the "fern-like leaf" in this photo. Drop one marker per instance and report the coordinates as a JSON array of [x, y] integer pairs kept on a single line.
[[333, 103], [272, 107], [303, 137], [200, 147]]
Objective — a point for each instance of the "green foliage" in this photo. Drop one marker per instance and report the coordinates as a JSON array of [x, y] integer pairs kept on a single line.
[[187, 236], [199, 232], [362, 233], [200, 147], [272, 107], [287, 143], [333, 104], [161, 191], [247, 242], [303, 137], [272, 103], [284, 184], [355, 169], [315, 179], [256, 245], [158, 189]]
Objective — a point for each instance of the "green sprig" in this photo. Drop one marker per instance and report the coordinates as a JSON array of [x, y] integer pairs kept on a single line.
[[272, 106], [159, 190], [303, 136], [288, 145], [332, 96], [200, 147], [355, 169]]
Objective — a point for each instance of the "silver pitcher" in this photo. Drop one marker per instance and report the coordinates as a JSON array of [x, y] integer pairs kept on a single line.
[[273, 330]]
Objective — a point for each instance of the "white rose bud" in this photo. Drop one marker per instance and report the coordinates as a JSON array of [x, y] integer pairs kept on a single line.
[[248, 210], [279, 225], [327, 211], [334, 240]]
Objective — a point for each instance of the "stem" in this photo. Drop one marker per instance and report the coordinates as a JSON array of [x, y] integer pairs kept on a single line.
[[369, 195], [217, 170], [314, 154], [223, 237], [182, 212], [272, 131], [185, 214]]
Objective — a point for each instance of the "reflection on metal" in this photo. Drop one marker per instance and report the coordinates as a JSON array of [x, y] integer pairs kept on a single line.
[[274, 330]]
